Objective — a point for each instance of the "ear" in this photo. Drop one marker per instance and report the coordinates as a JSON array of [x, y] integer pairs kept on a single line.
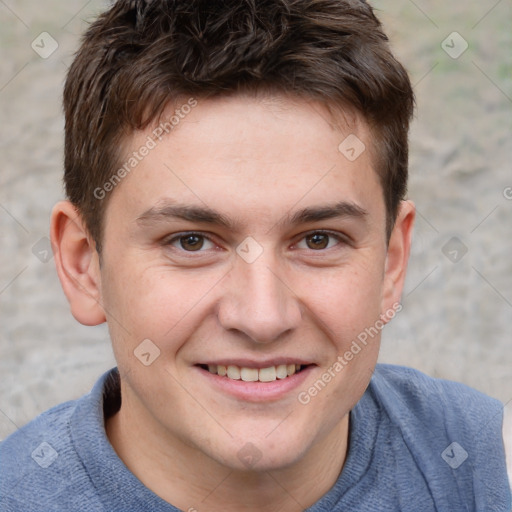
[[397, 256], [77, 264]]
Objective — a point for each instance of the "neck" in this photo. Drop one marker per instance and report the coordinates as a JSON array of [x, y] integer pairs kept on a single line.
[[193, 482]]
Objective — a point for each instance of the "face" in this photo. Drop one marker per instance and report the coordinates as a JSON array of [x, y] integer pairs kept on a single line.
[[245, 242]]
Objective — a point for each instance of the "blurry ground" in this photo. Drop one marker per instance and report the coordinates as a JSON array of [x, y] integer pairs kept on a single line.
[[457, 316]]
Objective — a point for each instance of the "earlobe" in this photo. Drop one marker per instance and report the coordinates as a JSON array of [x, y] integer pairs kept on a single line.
[[398, 255], [77, 264]]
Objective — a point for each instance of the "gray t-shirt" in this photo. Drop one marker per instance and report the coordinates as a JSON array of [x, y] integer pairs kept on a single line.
[[416, 444]]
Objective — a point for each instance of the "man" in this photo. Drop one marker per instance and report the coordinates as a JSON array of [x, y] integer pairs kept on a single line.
[[236, 174]]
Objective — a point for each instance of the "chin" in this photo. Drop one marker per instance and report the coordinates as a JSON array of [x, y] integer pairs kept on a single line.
[[260, 454]]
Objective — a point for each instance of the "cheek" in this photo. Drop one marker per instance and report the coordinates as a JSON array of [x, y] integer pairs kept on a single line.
[[153, 302], [346, 300], [348, 307]]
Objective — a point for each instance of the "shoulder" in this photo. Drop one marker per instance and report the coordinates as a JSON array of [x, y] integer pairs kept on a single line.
[[507, 438], [447, 416], [39, 463], [50, 426], [26, 455], [429, 397], [440, 415], [453, 433]]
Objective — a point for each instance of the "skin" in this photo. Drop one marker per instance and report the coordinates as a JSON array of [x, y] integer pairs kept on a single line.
[[257, 162]]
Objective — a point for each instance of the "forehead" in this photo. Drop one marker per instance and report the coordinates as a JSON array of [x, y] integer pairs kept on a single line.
[[246, 156]]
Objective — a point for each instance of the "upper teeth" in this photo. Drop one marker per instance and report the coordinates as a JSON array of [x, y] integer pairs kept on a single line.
[[254, 374]]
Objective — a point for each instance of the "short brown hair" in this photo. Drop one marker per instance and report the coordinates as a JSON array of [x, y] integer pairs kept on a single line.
[[141, 55]]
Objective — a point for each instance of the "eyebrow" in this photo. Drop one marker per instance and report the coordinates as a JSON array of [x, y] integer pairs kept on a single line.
[[202, 214], [171, 211], [315, 214]]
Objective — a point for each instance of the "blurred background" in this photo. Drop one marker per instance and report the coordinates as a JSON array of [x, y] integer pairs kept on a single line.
[[456, 321]]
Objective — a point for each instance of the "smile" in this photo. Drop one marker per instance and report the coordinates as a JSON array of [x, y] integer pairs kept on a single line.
[[246, 374]]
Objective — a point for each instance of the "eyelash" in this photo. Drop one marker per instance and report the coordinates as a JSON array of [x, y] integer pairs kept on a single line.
[[341, 239]]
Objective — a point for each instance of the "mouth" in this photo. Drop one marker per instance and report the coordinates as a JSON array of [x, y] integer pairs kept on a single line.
[[253, 374], [249, 380]]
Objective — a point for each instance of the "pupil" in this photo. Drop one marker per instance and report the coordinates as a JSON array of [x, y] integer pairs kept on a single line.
[[318, 241], [191, 242]]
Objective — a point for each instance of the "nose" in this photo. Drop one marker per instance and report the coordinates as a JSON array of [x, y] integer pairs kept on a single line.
[[258, 302]]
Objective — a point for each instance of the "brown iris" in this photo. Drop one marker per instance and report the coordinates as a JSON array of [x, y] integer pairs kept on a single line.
[[192, 242], [317, 241]]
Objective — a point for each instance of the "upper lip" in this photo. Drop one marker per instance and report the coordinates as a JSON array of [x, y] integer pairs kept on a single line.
[[251, 363]]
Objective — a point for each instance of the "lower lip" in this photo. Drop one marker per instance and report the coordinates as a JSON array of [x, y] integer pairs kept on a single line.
[[257, 391]]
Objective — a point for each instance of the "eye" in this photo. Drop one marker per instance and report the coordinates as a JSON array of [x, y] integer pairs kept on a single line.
[[318, 241], [191, 242]]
